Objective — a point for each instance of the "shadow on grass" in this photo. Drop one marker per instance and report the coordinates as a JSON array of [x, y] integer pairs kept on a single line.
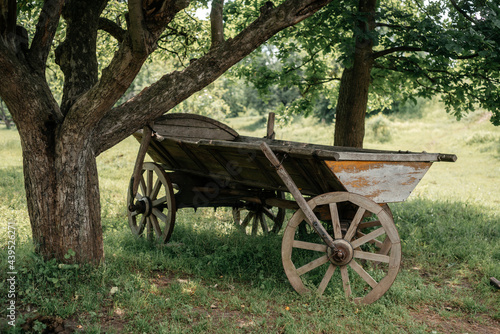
[[443, 238]]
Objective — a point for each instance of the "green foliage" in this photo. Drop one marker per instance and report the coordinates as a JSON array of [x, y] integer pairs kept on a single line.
[[433, 49], [379, 128]]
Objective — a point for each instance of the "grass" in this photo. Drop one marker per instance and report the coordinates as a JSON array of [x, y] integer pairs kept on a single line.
[[210, 278]]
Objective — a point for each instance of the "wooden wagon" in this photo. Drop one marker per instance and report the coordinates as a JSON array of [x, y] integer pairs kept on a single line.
[[339, 195]]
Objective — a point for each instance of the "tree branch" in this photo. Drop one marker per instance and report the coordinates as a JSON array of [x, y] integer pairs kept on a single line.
[[463, 12], [171, 89], [137, 30], [394, 26], [45, 31], [90, 106], [382, 53], [112, 28], [216, 22]]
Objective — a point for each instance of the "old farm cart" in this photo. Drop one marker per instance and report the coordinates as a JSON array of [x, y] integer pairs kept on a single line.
[[342, 230]]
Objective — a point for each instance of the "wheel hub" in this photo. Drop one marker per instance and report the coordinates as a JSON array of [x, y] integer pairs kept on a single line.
[[144, 206], [342, 254]]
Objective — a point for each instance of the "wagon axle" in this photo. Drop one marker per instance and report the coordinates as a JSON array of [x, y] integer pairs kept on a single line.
[[142, 206], [342, 254]]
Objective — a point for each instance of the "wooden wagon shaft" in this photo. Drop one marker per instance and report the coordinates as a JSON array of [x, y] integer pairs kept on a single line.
[[311, 218]]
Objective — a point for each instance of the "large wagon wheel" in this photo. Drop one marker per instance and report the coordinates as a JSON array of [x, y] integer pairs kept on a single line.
[[154, 208], [369, 243], [255, 216]]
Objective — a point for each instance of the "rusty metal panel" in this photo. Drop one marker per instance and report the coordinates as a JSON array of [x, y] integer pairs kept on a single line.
[[382, 181]]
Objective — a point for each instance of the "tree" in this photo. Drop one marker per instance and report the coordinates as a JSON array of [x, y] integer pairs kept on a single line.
[[393, 51], [60, 141]]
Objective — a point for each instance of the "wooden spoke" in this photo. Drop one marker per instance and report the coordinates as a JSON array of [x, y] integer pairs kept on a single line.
[[156, 209], [247, 220], [312, 265], [309, 246], [142, 224], [263, 218], [269, 214], [345, 281], [326, 279], [159, 201], [300, 250], [160, 214], [337, 232], [364, 275], [263, 223], [149, 230], [156, 226], [156, 189], [368, 237], [354, 224], [371, 256], [385, 247], [373, 241], [255, 224]]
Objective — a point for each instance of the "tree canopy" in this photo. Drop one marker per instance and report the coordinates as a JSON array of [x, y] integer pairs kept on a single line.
[[445, 48]]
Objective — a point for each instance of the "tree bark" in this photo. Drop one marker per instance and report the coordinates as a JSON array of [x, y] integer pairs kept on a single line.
[[355, 82], [63, 198]]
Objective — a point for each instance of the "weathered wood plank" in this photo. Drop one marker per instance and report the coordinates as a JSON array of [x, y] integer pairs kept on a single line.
[[193, 126], [381, 181]]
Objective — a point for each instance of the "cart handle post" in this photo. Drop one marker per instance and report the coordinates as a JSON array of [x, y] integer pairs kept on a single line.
[[311, 218], [270, 126]]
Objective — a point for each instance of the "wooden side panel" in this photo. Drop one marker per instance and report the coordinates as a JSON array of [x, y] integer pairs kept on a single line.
[[383, 182], [192, 127]]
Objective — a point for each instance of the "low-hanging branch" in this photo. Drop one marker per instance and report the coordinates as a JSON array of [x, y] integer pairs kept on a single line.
[[382, 53]]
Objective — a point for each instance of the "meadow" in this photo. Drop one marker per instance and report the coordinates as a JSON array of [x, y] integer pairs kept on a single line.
[[210, 278]]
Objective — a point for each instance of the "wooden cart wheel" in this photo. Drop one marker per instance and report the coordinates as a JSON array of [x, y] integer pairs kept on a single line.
[[369, 243], [254, 216], [154, 206]]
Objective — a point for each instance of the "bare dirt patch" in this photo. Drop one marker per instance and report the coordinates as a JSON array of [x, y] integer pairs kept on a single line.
[[481, 324]]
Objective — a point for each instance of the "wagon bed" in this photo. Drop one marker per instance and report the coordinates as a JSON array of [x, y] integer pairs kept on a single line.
[[201, 146], [339, 196]]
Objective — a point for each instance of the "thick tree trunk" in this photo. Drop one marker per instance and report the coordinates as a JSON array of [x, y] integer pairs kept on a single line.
[[63, 196], [353, 94]]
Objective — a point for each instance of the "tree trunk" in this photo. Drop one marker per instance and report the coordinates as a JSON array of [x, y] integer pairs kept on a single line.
[[355, 82], [63, 196]]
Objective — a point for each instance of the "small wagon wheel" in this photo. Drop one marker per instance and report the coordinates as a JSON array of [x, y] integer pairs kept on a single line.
[[254, 215], [154, 208], [365, 271]]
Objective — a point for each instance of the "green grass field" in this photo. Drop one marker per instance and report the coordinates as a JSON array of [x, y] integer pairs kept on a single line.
[[212, 279]]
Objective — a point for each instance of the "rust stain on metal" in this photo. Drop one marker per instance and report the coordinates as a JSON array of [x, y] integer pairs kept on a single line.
[[382, 181]]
